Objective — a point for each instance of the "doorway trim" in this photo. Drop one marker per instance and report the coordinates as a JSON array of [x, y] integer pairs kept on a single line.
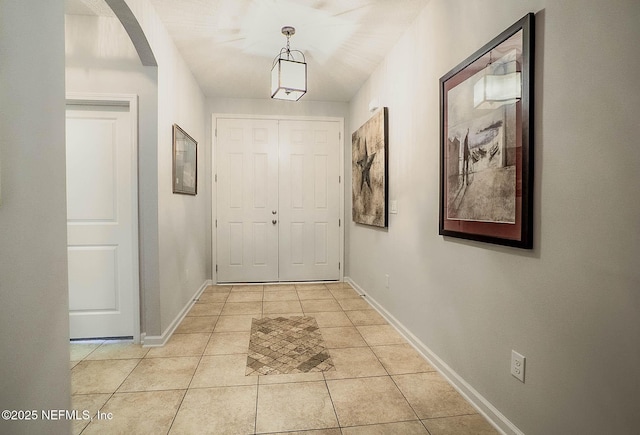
[[130, 101], [214, 168]]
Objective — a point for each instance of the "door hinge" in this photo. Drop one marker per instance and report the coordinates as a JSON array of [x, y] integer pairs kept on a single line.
[[339, 135], [216, 267], [216, 177], [216, 223], [216, 133], [338, 265], [339, 179], [339, 222]]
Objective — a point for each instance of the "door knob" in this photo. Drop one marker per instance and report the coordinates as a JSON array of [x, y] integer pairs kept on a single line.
[[274, 221]]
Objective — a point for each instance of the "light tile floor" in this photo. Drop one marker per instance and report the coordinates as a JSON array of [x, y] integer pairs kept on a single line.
[[196, 383]]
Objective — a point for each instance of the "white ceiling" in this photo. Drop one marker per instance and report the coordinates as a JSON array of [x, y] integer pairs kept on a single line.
[[230, 44], [88, 7]]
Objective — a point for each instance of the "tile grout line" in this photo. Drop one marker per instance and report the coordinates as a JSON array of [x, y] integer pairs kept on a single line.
[[173, 420], [186, 391], [333, 405], [114, 391], [388, 423], [385, 370], [421, 420], [409, 403], [394, 382], [255, 419]]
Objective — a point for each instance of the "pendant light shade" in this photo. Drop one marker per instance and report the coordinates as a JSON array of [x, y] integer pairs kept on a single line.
[[288, 75], [493, 91], [499, 83]]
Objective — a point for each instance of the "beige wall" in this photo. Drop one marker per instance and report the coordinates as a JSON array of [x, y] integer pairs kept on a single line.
[[571, 304], [34, 319], [184, 222]]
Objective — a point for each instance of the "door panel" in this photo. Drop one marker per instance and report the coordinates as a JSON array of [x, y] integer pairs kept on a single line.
[[321, 173], [309, 201], [91, 170], [247, 194], [100, 221], [95, 268]]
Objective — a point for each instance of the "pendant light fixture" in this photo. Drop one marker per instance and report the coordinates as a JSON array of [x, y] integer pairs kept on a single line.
[[288, 75]]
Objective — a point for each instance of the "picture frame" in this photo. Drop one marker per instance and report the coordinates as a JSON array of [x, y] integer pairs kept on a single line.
[[486, 142], [370, 171], [185, 162]]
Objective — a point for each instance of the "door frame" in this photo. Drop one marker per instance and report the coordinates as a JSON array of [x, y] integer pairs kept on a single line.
[[130, 101], [214, 167]]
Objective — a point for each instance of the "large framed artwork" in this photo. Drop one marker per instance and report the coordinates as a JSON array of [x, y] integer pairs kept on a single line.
[[486, 142], [369, 171], [185, 162]]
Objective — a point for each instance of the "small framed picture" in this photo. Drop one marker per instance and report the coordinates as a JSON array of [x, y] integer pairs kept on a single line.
[[185, 162], [486, 142]]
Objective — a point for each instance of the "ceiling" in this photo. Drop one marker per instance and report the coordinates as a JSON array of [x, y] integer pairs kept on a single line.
[[229, 45]]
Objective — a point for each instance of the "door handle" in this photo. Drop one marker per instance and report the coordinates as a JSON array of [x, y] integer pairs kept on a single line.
[[274, 221], [273, 212]]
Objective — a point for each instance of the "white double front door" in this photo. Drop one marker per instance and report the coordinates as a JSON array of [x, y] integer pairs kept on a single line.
[[278, 200]]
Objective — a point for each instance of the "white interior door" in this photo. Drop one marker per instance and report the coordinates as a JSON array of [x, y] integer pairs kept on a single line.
[[247, 200], [309, 201], [278, 200], [101, 221]]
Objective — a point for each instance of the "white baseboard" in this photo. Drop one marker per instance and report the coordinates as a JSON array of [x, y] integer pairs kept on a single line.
[[161, 340], [482, 405]]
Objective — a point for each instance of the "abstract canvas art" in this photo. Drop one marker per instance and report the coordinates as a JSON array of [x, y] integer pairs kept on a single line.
[[369, 171]]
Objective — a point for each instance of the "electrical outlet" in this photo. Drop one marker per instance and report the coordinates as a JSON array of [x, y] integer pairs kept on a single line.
[[517, 365]]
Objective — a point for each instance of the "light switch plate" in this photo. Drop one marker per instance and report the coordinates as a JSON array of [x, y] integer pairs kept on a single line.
[[393, 207]]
